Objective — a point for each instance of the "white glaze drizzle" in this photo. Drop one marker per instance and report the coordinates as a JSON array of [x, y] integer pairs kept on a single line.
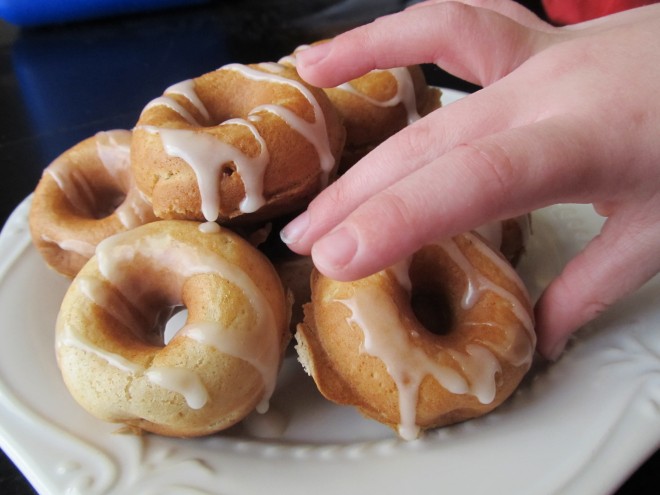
[[78, 246], [70, 338], [135, 210], [400, 271], [207, 155], [315, 132], [272, 66], [182, 381], [405, 93], [481, 378], [257, 345], [242, 343], [478, 283], [175, 106], [380, 321], [209, 227], [94, 290], [113, 150], [74, 185], [179, 380], [187, 90]]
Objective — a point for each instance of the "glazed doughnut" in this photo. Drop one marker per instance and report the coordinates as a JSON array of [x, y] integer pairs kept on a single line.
[[377, 105], [244, 143], [84, 196], [221, 365], [508, 236], [443, 337]]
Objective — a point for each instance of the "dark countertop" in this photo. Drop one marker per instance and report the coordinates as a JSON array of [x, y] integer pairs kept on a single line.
[[61, 84]]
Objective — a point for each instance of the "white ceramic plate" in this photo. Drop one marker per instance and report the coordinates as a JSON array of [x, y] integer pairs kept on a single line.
[[578, 427]]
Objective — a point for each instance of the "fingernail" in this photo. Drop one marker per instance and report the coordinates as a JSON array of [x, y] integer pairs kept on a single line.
[[296, 229], [313, 55], [336, 249], [557, 350]]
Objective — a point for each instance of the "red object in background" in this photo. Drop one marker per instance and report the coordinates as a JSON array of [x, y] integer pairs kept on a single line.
[[574, 11]]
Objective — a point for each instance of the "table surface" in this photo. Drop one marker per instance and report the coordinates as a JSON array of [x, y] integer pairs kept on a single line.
[[60, 84]]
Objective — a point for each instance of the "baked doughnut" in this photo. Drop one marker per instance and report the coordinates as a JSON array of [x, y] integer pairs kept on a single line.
[[508, 236], [377, 105], [84, 196], [244, 143], [215, 370], [443, 337]]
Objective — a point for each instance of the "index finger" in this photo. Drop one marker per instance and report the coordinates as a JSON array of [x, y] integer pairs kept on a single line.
[[498, 176]]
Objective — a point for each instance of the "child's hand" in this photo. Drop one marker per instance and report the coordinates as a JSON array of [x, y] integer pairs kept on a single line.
[[566, 115]]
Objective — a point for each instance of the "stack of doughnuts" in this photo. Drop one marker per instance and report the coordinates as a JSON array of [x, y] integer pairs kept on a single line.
[[179, 213]]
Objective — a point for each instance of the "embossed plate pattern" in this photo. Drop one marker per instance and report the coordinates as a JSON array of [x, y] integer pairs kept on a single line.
[[577, 427]]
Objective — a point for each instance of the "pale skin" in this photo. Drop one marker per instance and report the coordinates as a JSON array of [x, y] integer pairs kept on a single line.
[[567, 115]]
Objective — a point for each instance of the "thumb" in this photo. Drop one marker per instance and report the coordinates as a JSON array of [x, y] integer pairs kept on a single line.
[[476, 44], [614, 264]]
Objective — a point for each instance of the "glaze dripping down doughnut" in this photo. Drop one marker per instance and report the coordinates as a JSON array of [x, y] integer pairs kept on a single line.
[[381, 343], [377, 105], [84, 196], [215, 370], [244, 143]]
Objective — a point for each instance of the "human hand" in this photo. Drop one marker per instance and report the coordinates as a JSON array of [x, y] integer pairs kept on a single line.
[[567, 115]]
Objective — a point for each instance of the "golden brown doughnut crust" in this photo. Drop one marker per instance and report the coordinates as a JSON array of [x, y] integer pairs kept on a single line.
[[515, 233], [368, 124], [333, 349], [377, 105], [112, 367], [293, 175], [66, 225]]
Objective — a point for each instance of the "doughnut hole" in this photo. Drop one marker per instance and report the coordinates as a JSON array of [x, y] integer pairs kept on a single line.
[[174, 321], [89, 191], [429, 297], [431, 307]]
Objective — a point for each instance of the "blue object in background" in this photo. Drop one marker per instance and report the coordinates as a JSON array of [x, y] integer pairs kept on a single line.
[[77, 81], [42, 12]]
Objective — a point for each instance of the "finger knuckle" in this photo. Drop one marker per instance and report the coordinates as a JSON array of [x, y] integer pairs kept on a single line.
[[416, 140], [332, 199], [491, 167], [398, 211]]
